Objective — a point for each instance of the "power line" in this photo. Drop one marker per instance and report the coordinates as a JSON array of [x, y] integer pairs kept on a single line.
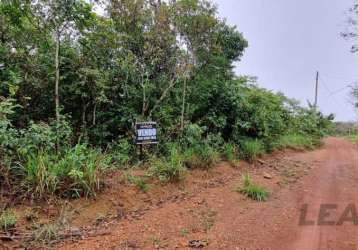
[[332, 93], [354, 78], [338, 90]]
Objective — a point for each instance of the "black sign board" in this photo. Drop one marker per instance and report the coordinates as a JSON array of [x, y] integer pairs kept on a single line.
[[146, 133]]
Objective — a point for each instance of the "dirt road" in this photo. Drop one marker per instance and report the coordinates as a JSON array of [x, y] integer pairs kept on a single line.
[[220, 218]]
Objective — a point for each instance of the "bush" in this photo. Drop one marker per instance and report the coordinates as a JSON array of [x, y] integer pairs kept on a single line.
[[201, 156], [121, 152], [250, 149], [200, 151], [29, 159], [253, 191], [43, 137], [8, 220], [84, 168], [192, 135], [169, 168]]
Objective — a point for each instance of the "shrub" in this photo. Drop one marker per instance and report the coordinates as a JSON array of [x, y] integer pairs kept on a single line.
[[192, 135], [121, 152], [84, 168], [215, 140], [200, 151], [8, 220], [251, 149], [170, 168], [201, 156], [251, 190], [43, 137]]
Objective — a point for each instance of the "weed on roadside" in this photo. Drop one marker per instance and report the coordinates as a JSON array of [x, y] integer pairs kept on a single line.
[[139, 182], [47, 233], [184, 232], [170, 169], [251, 149], [295, 141], [8, 220], [209, 220], [252, 190], [230, 153]]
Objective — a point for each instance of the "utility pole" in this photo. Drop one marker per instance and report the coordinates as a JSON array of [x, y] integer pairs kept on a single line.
[[316, 91]]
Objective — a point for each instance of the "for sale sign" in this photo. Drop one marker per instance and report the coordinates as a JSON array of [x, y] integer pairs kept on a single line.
[[146, 133]]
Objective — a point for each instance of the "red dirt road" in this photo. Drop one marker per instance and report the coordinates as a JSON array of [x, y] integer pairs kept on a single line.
[[224, 219]]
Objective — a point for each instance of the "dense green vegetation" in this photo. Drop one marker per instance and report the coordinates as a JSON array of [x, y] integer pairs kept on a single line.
[[73, 83]]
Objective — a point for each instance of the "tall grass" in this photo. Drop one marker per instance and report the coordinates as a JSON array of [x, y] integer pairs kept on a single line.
[[75, 172], [296, 141], [8, 220], [250, 149], [230, 152], [42, 175], [169, 168], [252, 190], [201, 156]]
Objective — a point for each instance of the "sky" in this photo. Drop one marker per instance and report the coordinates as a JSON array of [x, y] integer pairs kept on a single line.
[[289, 40]]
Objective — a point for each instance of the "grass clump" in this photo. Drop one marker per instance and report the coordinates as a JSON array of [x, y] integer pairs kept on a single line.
[[252, 190], [75, 172], [184, 232], [47, 233], [8, 220], [251, 149], [230, 153], [296, 141], [139, 182], [168, 169]]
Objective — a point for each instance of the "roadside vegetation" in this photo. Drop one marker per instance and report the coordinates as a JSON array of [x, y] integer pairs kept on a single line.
[[252, 190], [351, 134], [73, 83], [7, 220]]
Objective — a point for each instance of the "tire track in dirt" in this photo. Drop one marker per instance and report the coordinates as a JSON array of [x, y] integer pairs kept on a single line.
[[333, 182]]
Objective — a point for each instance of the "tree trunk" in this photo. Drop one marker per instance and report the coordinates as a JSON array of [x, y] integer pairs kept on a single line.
[[84, 111], [94, 114], [57, 97], [144, 99], [183, 105], [57, 80]]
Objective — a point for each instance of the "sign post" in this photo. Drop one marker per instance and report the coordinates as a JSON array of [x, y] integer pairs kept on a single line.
[[146, 134]]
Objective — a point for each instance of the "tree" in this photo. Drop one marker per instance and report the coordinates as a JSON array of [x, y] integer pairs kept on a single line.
[[351, 32], [146, 59], [63, 19]]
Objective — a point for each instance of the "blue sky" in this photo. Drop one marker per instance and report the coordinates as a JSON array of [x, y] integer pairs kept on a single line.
[[289, 40]]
